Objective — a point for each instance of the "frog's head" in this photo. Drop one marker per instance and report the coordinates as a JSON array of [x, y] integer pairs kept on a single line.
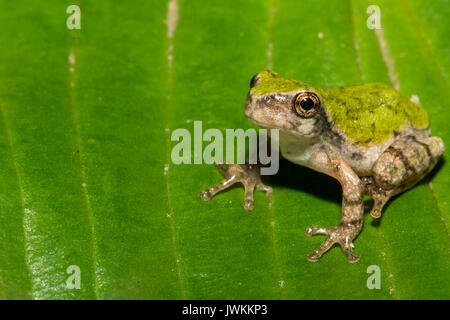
[[289, 105]]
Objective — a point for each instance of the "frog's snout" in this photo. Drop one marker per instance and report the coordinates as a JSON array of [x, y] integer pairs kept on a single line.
[[248, 106]]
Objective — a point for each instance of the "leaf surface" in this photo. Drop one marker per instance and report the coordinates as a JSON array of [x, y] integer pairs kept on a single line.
[[86, 118]]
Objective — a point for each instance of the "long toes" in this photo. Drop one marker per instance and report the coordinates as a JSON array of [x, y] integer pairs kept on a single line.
[[375, 213], [269, 191], [313, 256], [352, 258], [316, 254], [249, 205], [205, 195], [262, 187], [334, 235], [347, 248], [248, 197], [312, 231]]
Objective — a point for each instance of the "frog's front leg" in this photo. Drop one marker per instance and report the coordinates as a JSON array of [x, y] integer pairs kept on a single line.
[[352, 206], [247, 174]]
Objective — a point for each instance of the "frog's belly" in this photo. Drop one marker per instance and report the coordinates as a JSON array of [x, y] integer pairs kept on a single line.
[[299, 151], [362, 159], [362, 165], [362, 162]]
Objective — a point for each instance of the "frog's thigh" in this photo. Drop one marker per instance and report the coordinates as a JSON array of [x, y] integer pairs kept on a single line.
[[405, 162]]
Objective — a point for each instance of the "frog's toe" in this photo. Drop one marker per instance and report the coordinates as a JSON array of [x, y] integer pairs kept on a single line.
[[326, 245], [205, 195], [246, 174], [347, 248], [262, 187], [248, 200], [211, 192], [341, 235], [249, 204], [313, 257], [352, 257], [312, 231]]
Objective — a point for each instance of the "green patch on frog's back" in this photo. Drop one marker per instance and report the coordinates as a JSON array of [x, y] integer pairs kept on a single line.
[[271, 82], [371, 113]]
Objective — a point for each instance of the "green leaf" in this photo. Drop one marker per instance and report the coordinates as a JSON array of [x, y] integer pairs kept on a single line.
[[85, 123]]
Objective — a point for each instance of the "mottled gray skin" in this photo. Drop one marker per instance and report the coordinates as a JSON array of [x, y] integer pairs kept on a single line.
[[380, 170]]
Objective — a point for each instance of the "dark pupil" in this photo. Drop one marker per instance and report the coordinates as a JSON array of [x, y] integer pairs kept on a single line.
[[307, 104]]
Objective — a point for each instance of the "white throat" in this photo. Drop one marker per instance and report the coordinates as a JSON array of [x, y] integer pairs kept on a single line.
[[297, 149]]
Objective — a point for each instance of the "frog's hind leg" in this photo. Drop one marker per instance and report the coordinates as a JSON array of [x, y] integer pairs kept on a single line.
[[400, 167]]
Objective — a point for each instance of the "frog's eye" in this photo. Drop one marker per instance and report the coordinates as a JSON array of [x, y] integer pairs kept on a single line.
[[306, 104]]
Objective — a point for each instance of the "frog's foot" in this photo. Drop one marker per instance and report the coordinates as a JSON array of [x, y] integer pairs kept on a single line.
[[378, 194], [342, 234], [377, 208], [380, 198], [247, 174]]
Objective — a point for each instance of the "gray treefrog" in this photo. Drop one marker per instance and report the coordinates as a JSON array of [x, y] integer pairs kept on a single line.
[[369, 137]]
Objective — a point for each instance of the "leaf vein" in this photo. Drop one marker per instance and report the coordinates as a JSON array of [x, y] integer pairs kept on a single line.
[[76, 124], [27, 256], [172, 20]]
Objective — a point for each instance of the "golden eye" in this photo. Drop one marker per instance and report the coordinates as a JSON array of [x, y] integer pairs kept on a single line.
[[306, 104]]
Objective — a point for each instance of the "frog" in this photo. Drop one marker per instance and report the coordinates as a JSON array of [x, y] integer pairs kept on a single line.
[[369, 137]]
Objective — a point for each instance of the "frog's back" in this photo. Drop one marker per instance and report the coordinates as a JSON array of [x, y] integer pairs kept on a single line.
[[371, 113]]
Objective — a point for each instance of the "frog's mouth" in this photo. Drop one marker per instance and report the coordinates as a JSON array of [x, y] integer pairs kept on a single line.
[[259, 124], [267, 126], [250, 116], [266, 120]]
